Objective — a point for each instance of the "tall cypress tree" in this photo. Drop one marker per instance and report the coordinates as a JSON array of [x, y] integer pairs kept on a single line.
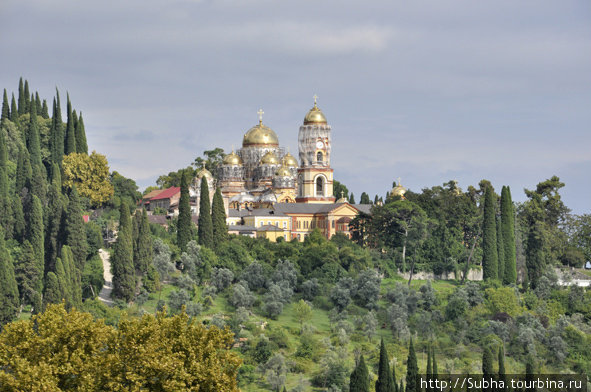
[[32, 137], [70, 141], [142, 254], [27, 97], [218, 218], [81, 144], [502, 374], [412, 370], [6, 217], [28, 276], [205, 229], [63, 279], [44, 110], [73, 275], [75, 230], [122, 260], [13, 109], [24, 172], [394, 383], [51, 290], [489, 237], [9, 298], [38, 103], [359, 381], [487, 363], [19, 226], [22, 98], [184, 221], [35, 236], [500, 250], [54, 218], [383, 384], [57, 132], [508, 230], [5, 109], [434, 373]]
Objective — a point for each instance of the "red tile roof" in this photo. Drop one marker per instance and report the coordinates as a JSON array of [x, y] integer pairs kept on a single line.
[[152, 194], [167, 193]]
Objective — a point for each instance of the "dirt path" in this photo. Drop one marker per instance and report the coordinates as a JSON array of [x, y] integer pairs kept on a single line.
[[105, 294]]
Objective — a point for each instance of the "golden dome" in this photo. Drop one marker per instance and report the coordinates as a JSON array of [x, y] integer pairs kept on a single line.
[[260, 135], [283, 172], [204, 173], [269, 159], [232, 159], [315, 115], [289, 160], [398, 190]]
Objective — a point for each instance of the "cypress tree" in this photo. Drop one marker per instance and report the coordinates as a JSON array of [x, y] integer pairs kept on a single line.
[[383, 384], [412, 370], [184, 221], [6, 217], [142, 254], [44, 110], [22, 100], [38, 103], [64, 282], [27, 98], [489, 237], [205, 229], [13, 110], [19, 225], [32, 138], [57, 132], [401, 387], [359, 381], [28, 276], [9, 298], [394, 383], [487, 363], [81, 144], [508, 230], [352, 198], [434, 373], [24, 172], [70, 140], [51, 293], [34, 235], [500, 250], [75, 230], [54, 218], [122, 260], [73, 275], [218, 218], [5, 109]]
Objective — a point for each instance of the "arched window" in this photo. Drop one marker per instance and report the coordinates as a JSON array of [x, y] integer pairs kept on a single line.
[[319, 186], [319, 157]]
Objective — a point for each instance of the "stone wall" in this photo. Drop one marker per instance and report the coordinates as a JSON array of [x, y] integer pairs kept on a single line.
[[473, 274]]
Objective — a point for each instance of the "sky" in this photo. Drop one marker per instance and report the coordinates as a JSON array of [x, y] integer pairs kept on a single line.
[[428, 90]]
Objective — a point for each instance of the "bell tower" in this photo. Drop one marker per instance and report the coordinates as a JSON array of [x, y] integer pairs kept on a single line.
[[315, 176]]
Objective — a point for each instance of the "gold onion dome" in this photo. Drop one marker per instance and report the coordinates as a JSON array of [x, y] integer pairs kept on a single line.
[[232, 159], [315, 115], [260, 135], [398, 190], [283, 172], [204, 173], [269, 159], [289, 160]]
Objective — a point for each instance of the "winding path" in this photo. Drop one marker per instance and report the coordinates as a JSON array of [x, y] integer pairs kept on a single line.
[[105, 294]]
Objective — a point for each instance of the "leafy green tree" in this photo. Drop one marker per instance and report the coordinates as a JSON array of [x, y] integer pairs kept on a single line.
[[508, 232], [340, 190], [489, 237], [359, 381], [122, 259], [213, 159], [412, 370], [70, 141], [302, 312], [90, 175], [184, 223], [9, 296], [218, 218], [205, 229], [81, 144], [384, 382], [75, 230]]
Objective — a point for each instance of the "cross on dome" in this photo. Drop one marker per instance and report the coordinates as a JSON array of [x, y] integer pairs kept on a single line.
[[260, 113], [315, 98]]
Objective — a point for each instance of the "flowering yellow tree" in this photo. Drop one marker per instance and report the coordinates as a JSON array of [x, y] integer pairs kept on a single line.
[[90, 174]]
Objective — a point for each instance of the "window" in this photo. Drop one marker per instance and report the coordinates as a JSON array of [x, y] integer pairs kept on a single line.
[[319, 186], [284, 224], [319, 157]]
